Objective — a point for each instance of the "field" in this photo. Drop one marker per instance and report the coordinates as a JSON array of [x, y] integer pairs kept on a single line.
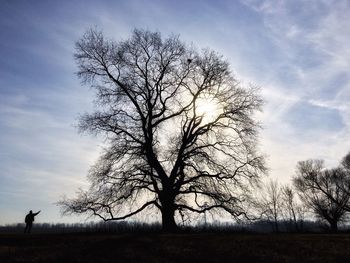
[[158, 247]]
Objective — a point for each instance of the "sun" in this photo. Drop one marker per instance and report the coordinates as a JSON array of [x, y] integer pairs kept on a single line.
[[208, 108]]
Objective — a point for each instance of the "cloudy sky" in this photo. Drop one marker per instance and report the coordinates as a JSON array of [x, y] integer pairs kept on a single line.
[[298, 52]]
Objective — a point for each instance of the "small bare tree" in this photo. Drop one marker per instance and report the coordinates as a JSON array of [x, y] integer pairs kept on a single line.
[[269, 205], [294, 211], [179, 127], [319, 190]]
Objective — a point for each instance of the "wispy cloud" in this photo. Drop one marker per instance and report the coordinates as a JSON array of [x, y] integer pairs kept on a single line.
[[313, 38]]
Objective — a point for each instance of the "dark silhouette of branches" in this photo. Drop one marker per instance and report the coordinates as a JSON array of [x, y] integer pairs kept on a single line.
[[163, 152], [293, 210], [319, 189], [269, 203]]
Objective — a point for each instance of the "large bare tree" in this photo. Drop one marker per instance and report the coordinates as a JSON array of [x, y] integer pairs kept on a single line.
[[320, 190], [344, 181], [341, 177], [180, 129]]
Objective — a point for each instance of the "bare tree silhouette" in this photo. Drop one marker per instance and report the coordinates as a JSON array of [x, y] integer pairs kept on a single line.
[[166, 149], [344, 181], [294, 210], [319, 189], [270, 203]]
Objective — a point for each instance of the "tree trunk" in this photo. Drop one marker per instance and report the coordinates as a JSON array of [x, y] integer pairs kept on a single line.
[[276, 226], [334, 226], [295, 221], [168, 212], [168, 220]]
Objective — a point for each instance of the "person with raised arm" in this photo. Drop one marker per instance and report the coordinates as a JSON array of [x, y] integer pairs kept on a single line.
[[29, 221]]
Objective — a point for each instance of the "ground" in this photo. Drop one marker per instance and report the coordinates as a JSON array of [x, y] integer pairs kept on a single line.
[[192, 248]]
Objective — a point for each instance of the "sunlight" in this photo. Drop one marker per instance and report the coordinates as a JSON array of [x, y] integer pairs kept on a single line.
[[208, 108]]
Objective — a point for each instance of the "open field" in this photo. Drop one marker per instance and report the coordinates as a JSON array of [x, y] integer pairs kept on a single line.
[[174, 248]]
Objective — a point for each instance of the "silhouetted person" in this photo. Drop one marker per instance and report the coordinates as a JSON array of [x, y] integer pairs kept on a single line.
[[29, 221]]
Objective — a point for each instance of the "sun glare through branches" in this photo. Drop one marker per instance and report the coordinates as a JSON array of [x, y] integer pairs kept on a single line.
[[208, 108]]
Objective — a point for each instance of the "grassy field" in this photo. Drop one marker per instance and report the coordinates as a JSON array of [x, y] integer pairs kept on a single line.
[[192, 248]]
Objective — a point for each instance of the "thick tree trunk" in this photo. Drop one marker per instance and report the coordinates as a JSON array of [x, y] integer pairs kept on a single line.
[[168, 213], [168, 220]]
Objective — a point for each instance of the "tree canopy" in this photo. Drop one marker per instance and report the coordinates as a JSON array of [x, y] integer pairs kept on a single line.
[[180, 129], [322, 190]]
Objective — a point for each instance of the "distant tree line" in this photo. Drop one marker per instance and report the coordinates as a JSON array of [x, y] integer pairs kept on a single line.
[[88, 227], [118, 227]]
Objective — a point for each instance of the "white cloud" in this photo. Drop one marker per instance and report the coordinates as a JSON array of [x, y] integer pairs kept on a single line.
[[318, 34]]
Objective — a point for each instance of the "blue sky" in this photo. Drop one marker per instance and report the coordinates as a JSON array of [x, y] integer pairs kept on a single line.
[[298, 52]]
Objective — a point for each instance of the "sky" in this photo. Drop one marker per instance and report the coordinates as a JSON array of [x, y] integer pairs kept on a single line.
[[297, 52]]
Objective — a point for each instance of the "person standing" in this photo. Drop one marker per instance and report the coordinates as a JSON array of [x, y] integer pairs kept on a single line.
[[29, 221]]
